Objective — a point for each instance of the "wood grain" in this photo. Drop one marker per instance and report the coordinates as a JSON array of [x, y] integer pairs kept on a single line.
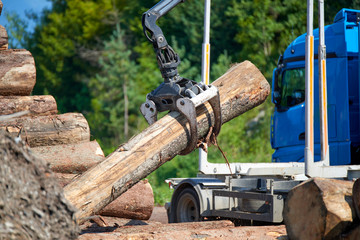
[[37, 105], [49, 130], [71, 158]]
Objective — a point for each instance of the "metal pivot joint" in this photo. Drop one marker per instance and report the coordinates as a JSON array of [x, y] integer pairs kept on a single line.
[[175, 93]]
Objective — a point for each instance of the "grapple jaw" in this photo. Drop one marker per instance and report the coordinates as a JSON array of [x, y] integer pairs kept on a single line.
[[183, 97]]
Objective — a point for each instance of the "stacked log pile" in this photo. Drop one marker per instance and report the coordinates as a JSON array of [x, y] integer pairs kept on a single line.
[[63, 140]]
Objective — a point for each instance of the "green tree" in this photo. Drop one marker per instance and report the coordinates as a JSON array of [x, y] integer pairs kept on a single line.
[[111, 90]]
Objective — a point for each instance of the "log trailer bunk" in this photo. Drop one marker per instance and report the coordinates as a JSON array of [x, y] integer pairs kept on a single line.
[[257, 191]]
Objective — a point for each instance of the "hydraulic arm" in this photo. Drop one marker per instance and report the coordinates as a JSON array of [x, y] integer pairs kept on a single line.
[[175, 93]]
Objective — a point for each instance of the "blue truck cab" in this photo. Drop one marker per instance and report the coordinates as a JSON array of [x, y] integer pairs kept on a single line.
[[288, 95]]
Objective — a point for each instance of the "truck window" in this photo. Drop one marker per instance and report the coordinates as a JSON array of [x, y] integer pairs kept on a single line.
[[292, 87]]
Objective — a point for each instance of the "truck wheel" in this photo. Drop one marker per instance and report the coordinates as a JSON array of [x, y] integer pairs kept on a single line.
[[187, 207]]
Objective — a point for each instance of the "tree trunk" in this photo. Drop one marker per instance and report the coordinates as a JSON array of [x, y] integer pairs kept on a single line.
[[3, 38], [126, 112], [319, 209], [49, 130], [1, 6], [39, 105], [71, 158], [242, 88], [17, 72]]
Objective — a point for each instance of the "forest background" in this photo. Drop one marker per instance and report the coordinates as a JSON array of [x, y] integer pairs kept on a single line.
[[92, 56]]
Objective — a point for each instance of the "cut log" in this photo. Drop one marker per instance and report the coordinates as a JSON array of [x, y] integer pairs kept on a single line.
[[242, 88], [136, 203], [49, 130], [71, 158], [17, 72], [126, 227], [180, 231], [319, 209], [39, 105], [3, 39]]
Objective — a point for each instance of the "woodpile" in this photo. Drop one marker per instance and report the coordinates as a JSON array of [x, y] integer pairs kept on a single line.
[[323, 209], [62, 140]]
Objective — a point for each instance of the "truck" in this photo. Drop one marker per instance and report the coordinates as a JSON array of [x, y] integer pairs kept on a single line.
[[257, 191]]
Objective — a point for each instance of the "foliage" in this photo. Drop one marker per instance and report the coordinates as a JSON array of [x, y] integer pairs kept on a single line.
[[85, 59]]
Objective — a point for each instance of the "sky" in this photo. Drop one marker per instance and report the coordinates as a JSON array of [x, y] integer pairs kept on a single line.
[[20, 6]]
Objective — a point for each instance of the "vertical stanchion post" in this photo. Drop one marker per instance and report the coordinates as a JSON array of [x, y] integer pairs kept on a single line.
[[324, 140], [309, 91], [205, 67]]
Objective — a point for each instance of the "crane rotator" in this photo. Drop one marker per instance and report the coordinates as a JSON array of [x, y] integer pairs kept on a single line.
[[175, 93]]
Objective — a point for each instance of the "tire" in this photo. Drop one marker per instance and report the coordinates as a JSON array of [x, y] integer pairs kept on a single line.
[[187, 206]]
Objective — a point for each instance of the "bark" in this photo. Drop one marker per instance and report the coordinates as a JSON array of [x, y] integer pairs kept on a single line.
[[17, 72], [202, 230], [136, 203], [49, 130], [242, 88], [1, 6], [3, 38], [37, 105], [71, 158], [319, 209]]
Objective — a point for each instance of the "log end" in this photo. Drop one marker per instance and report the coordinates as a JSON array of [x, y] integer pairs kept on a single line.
[[318, 209], [300, 203]]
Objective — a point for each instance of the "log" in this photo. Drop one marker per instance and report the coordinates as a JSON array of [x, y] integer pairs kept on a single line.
[[17, 72], [49, 130], [136, 203], [242, 88], [126, 227], [319, 209], [3, 38], [71, 158], [38, 105], [191, 231], [1, 6]]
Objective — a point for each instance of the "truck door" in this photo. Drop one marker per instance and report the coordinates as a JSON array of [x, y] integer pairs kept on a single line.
[[288, 122]]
